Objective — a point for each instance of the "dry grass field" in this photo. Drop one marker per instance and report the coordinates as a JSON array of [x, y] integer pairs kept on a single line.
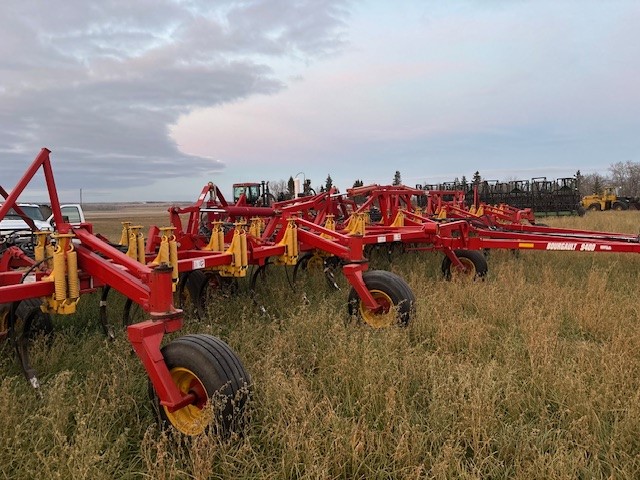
[[531, 374], [108, 221]]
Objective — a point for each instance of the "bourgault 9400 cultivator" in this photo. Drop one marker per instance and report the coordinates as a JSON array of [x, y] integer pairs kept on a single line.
[[53, 272], [223, 240], [72, 261], [341, 230], [330, 220], [462, 234]]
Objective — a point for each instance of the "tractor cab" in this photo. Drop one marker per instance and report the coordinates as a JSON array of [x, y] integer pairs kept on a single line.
[[250, 190], [255, 194]]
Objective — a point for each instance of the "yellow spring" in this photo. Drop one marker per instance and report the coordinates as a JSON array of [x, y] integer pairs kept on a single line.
[[140, 239], [235, 249], [132, 251], [173, 257], [216, 242], [59, 275], [163, 252], [356, 224], [330, 223], [293, 240], [254, 227], [49, 249], [72, 273], [243, 248], [124, 236], [399, 220], [220, 236], [39, 250]]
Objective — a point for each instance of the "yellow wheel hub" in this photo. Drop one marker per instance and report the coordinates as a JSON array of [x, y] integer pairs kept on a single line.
[[460, 274], [4, 324], [192, 419], [386, 317], [315, 263]]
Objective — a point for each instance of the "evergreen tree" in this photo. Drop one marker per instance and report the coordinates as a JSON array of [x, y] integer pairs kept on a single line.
[[396, 178], [291, 186], [579, 180], [358, 183], [477, 178], [328, 183], [597, 184]]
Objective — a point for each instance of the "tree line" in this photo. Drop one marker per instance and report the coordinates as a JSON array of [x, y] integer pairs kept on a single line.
[[624, 176], [282, 189]]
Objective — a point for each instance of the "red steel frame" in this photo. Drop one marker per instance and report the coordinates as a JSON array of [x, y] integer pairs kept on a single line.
[[500, 227], [100, 264], [306, 212]]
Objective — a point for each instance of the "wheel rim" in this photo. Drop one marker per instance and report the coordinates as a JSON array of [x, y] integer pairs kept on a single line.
[[315, 263], [185, 300], [191, 419], [469, 270], [4, 324], [385, 317]]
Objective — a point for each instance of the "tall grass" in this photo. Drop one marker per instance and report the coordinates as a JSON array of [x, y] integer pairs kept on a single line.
[[533, 373]]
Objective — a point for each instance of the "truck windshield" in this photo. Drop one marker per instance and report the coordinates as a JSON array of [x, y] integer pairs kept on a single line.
[[32, 211]]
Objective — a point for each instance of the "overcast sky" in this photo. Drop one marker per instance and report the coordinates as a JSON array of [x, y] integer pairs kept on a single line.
[[151, 99]]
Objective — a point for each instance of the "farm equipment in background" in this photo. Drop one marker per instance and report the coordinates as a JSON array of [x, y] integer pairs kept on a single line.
[[609, 200], [71, 261], [544, 197], [463, 239], [254, 194]]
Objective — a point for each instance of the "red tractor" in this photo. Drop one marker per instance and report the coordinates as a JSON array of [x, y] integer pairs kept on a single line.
[[251, 193]]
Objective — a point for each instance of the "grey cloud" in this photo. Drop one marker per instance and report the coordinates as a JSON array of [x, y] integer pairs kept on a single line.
[[101, 82]]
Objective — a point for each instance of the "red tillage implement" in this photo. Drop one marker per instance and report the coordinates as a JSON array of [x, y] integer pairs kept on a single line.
[[331, 227], [50, 274], [461, 237], [218, 240]]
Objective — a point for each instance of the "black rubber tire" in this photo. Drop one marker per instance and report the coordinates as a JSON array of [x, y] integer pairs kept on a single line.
[[221, 373], [620, 206], [391, 285], [594, 207], [478, 260]]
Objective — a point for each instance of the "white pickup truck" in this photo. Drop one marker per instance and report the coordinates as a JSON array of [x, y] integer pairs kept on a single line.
[[12, 222]]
